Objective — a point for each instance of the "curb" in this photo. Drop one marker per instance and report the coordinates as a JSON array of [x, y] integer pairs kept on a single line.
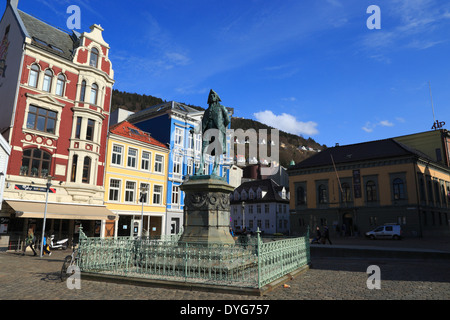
[[367, 252]]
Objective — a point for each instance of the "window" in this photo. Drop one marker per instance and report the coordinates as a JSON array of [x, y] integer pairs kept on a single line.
[[83, 91], [175, 195], [190, 167], [157, 194], [177, 165], [132, 158], [130, 189], [301, 196], [145, 163], [346, 195], [178, 137], [191, 140], [250, 208], [90, 130], [399, 189], [198, 142], [258, 208], [323, 196], [73, 177], [35, 163], [93, 61], [41, 119], [86, 170], [34, 75], [371, 191], [159, 163], [144, 190], [117, 155], [60, 83], [266, 208], [94, 93], [114, 189], [78, 128], [47, 85]]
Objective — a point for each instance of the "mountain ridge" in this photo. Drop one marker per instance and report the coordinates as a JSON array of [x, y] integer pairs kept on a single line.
[[292, 147]]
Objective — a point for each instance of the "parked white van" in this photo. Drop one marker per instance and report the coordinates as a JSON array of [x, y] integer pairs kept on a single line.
[[388, 231]]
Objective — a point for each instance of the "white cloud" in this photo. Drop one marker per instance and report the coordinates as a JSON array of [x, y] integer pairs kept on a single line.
[[287, 123], [369, 127]]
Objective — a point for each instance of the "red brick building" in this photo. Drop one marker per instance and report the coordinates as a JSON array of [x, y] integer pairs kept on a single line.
[[55, 97]]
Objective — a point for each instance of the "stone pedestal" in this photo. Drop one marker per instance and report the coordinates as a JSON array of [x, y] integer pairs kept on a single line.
[[207, 210]]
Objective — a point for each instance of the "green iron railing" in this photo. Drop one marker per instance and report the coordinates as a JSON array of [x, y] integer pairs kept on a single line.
[[251, 264]]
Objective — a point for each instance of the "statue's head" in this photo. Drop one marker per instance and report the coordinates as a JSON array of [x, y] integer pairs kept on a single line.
[[213, 97]]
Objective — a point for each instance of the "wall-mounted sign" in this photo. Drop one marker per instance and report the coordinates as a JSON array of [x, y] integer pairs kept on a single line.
[[33, 188]]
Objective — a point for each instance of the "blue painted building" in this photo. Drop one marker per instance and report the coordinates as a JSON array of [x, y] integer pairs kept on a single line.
[[175, 124]]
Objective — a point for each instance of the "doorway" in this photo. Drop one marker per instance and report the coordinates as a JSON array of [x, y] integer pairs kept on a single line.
[[347, 224]]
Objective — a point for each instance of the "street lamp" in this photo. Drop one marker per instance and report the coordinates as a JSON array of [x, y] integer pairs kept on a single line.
[[143, 189], [49, 183], [243, 215]]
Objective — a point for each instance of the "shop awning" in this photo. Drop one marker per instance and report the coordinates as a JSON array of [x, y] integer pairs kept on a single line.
[[30, 209]]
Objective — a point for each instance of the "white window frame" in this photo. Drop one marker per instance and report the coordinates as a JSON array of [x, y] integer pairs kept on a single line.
[[147, 194], [133, 158], [117, 189], [129, 191], [158, 194], [148, 161], [175, 194], [177, 165], [179, 137], [115, 153], [159, 164]]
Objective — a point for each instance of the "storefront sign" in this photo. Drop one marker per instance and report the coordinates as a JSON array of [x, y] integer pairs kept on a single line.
[[33, 188]]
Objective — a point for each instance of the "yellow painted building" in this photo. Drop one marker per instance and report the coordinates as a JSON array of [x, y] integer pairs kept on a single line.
[[135, 182], [355, 188]]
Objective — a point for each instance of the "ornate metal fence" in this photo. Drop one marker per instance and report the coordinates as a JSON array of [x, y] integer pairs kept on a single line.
[[251, 264]]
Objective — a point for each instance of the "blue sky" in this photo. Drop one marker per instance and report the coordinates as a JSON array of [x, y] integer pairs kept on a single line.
[[309, 67]]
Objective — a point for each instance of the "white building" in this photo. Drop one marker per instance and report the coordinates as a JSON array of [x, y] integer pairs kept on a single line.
[[260, 204]]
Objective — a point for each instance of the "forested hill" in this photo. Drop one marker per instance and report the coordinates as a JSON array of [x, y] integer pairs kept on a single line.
[[292, 147]]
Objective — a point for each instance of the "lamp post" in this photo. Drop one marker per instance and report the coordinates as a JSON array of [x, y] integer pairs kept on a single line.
[[243, 215], [49, 183], [143, 190]]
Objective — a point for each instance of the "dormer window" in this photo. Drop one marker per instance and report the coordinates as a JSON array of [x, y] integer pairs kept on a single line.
[[93, 61]]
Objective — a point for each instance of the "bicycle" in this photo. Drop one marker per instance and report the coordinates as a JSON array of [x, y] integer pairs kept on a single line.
[[69, 261]]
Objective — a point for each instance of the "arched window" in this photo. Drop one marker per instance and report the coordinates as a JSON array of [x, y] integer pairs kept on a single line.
[[34, 75], [60, 84], [346, 195], [93, 61], [83, 91], [86, 170], [94, 93], [47, 85], [301, 196], [35, 163], [323, 195], [371, 191], [399, 189]]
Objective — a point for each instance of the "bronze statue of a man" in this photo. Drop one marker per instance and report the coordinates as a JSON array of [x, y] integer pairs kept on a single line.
[[215, 117]]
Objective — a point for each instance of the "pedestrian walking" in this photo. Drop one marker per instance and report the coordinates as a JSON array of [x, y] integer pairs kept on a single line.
[[326, 235], [30, 241], [318, 236], [46, 247]]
